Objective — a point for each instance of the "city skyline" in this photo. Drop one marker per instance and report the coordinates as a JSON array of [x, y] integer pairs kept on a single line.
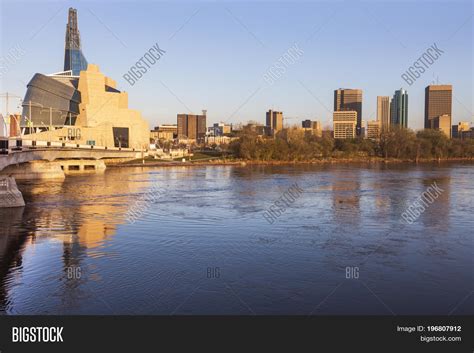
[[243, 101]]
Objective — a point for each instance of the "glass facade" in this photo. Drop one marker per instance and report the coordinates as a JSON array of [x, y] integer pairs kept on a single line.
[[399, 108], [120, 136], [74, 60]]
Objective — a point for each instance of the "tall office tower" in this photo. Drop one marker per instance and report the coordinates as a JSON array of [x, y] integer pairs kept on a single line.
[[349, 99], [383, 112], [438, 101], [182, 129], [192, 126], [73, 58], [399, 108], [274, 121], [345, 124], [201, 128]]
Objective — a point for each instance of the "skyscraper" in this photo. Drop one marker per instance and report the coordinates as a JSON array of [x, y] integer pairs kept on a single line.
[[399, 108], [349, 99], [73, 58], [438, 102], [383, 112], [274, 121], [191, 126]]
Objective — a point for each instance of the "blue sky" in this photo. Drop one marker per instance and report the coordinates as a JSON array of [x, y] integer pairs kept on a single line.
[[217, 53]]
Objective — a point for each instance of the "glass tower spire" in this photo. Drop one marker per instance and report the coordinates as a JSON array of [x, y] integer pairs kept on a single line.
[[73, 58]]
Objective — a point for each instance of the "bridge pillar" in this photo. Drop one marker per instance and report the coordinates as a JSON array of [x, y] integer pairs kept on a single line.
[[10, 196], [34, 170]]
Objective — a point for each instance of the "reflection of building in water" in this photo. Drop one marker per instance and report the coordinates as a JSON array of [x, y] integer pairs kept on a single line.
[[378, 201], [81, 214], [436, 214], [88, 208], [346, 197], [11, 243]]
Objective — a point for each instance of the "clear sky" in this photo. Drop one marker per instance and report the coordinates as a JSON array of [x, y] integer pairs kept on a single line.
[[218, 52]]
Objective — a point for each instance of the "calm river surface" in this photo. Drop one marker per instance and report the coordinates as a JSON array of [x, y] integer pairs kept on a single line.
[[202, 246]]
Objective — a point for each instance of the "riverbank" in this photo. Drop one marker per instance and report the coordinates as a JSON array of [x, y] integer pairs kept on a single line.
[[239, 162]]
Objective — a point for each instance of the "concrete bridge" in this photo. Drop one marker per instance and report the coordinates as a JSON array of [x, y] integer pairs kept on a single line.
[[27, 151], [70, 156]]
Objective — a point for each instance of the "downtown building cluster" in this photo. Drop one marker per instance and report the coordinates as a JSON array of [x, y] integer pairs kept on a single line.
[[348, 122], [62, 107]]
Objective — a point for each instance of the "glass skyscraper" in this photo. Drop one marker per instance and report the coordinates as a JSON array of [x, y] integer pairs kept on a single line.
[[399, 108], [73, 58]]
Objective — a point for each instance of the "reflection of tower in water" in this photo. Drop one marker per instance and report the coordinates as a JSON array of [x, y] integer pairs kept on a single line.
[[11, 242], [436, 214], [346, 197], [79, 215]]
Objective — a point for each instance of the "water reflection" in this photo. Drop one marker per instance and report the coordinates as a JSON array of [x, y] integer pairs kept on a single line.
[[205, 218], [11, 242]]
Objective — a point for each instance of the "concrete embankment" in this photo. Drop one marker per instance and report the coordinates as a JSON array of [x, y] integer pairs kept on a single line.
[[10, 196]]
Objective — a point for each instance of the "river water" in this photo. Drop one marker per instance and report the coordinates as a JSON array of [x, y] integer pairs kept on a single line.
[[198, 243]]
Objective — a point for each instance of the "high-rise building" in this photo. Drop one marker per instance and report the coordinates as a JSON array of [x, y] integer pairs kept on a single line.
[[345, 124], [192, 126], [274, 121], [373, 129], [438, 101], [383, 112], [73, 58], [399, 109], [349, 99]]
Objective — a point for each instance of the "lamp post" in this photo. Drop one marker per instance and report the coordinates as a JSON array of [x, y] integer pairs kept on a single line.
[[50, 110]]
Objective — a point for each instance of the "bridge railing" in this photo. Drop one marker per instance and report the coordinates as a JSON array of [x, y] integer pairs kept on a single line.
[[10, 145]]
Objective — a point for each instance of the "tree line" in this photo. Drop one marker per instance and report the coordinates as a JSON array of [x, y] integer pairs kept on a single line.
[[295, 144]]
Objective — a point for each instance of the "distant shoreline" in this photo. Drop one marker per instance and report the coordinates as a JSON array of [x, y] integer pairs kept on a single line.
[[243, 163]]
